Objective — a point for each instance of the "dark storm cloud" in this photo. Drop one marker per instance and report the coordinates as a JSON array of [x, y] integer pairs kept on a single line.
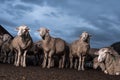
[[39, 2], [23, 7], [48, 2], [52, 14], [3, 1], [18, 9], [6, 22], [66, 18]]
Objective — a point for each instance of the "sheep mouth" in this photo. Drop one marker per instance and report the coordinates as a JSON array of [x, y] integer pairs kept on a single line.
[[43, 37]]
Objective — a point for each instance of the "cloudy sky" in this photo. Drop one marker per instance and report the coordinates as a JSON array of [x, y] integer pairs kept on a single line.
[[65, 18]]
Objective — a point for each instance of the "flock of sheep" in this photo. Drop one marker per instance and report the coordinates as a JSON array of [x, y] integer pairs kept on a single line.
[[72, 55]]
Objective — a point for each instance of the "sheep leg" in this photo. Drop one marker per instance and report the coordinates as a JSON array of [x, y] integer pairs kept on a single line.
[[5, 57], [15, 61], [44, 61], [83, 62], [49, 59], [79, 65], [75, 66], [95, 65], [67, 62], [63, 61], [71, 61], [12, 58], [60, 63], [102, 66], [36, 59], [18, 58], [9, 57], [52, 62], [21, 60], [24, 59]]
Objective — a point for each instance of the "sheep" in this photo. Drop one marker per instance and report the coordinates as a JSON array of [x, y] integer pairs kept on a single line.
[[80, 48], [6, 49], [90, 57], [36, 51], [39, 51], [111, 60], [96, 64], [91, 54], [1, 41], [52, 46], [21, 43], [3, 38]]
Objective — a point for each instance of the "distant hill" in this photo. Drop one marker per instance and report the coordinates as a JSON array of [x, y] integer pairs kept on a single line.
[[4, 31]]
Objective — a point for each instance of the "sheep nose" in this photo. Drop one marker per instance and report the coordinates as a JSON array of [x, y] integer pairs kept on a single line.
[[99, 59]]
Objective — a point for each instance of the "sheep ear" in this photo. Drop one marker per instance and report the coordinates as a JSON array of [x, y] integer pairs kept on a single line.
[[17, 28], [109, 52], [96, 53], [90, 35], [1, 36], [38, 30], [48, 30], [27, 29]]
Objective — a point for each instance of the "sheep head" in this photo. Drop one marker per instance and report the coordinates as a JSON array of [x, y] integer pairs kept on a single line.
[[6, 37], [102, 53], [22, 30], [43, 32], [85, 36]]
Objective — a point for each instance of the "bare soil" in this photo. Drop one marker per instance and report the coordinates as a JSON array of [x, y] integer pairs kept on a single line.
[[10, 72]]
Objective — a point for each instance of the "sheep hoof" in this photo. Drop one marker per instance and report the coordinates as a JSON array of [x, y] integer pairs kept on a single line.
[[8, 62], [70, 67], [75, 67], [48, 67], [59, 67], [24, 65], [105, 72], [62, 67], [17, 65], [83, 69], [117, 73], [79, 69], [43, 66], [14, 64]]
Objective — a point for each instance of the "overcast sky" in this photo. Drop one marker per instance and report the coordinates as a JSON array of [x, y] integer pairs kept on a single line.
[[66, 19]]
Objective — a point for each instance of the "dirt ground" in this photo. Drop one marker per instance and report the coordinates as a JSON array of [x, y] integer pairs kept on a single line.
[[10, 72]]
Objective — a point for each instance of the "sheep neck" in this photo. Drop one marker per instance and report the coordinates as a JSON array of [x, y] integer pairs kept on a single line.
[[109, 60], [25, 38], [87, 40], [47, 38], [8, 41]]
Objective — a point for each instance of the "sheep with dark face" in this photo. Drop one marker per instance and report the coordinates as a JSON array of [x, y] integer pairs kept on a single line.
[[21, 43], [91, 55], [111, 60], [93, 52], [52, 46], [39, 51], [80, 48], [36, 53]]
